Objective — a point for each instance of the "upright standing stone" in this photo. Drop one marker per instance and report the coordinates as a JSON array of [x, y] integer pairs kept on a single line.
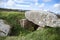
[[28, 25]]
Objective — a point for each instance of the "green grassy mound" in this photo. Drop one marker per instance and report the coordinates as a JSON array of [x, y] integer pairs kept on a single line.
[[44, 34], [19, 33]]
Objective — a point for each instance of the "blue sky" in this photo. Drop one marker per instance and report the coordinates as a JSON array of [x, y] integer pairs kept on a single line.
[[46, 5]]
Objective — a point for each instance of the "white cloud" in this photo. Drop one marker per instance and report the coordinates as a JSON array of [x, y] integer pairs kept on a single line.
[[10, 3], [30, 6], [36, 2], [41, 5], [19, 1], [2, 4], [47, 0], [46, 9], [33, 4], [56, 6], [22, 1], [22, 5]]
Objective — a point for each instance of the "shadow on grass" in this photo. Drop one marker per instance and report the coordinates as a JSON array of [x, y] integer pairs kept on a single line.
[[16, 31]]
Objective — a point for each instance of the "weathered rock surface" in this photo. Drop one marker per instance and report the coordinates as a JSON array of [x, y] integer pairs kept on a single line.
[[28, 25], [4, 28], [43, 18]]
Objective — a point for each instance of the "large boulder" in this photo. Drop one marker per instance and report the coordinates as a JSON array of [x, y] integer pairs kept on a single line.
[[4, 28], [43, 18]]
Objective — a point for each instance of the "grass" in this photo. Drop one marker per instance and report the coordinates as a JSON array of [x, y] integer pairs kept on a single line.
[[19, 33], [13, 19], [44, 34]]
